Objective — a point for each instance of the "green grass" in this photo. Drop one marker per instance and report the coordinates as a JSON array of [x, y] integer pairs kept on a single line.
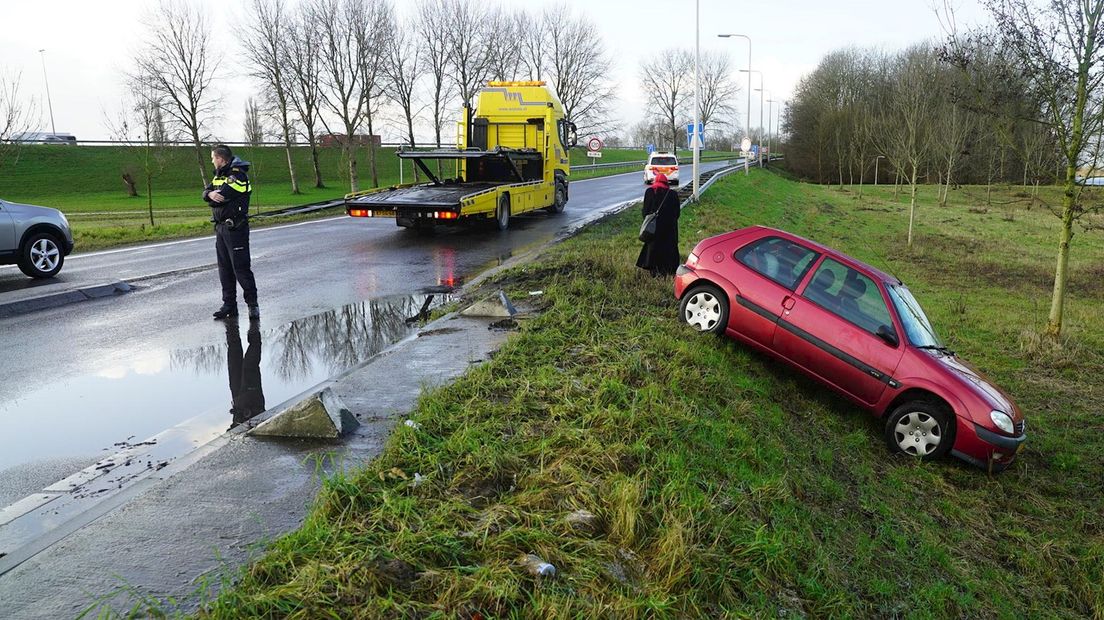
[[723, 484], [85, 182]]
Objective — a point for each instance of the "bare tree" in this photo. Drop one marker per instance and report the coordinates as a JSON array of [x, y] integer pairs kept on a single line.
[[504, 55], [718, 89], [531, 43], [340, 56], [141, 120], [15, 115], [905, 128], [1059, 45], [469, 45], [578, 67], [374, 26], [303, 69], [174, 67], [432, 28], [401, 70], [253, 127], [665, 79], [265, 31]]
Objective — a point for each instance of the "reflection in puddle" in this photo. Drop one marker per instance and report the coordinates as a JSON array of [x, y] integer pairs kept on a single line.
[[229, 381]]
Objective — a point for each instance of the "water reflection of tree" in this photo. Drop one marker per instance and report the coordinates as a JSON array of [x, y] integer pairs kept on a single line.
[[338, 339]]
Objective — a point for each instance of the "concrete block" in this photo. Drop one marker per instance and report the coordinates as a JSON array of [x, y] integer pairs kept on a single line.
[[321, 415], [497, 305]]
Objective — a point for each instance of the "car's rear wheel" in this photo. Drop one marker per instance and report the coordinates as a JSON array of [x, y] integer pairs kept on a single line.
[[920, 428], [502, 213], [41, 256], [705, 308]]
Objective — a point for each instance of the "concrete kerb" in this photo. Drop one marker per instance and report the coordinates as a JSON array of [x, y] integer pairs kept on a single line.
[[64, 297]]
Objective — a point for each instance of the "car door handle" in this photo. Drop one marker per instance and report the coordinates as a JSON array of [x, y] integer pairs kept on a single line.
[[788, 303]]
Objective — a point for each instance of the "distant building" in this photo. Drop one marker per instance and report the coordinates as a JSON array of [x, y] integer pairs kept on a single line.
[[39, 137], [335, 139]]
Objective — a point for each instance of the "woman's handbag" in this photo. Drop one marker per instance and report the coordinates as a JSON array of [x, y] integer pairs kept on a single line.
[[648, 227]]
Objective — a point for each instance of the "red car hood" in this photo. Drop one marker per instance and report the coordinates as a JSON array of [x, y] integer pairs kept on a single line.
[[996, 398]]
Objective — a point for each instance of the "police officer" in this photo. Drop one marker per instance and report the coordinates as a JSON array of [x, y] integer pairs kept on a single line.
[[228, 196]]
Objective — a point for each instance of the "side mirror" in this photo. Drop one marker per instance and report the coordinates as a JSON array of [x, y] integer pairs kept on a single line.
[[572, 135], [887, 334]]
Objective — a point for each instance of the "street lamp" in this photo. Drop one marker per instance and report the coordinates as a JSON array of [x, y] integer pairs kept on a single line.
[[42, 54], [747, 130], [770, 126], [760, 91], [694, 137], [876, 168]]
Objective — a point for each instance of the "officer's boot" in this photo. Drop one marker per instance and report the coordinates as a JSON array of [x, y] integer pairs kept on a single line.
[[226, 312]]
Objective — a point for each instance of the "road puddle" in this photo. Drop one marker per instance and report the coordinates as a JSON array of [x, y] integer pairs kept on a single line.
[[205, 390]]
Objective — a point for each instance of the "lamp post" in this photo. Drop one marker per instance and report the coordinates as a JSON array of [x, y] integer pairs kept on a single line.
[[747, 124], [770, 127], [876, 168], [42, 55], [694, 137], [760, 91]]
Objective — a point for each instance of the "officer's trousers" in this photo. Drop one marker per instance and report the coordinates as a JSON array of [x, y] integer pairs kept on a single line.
[[232, 250]]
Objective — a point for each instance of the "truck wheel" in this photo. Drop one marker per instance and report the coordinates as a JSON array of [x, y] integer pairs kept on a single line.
[[559, 200], [502, 213]]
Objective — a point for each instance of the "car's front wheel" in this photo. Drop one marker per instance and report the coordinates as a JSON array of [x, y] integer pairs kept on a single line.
[[920, 428], [705, 308], [41, 256]]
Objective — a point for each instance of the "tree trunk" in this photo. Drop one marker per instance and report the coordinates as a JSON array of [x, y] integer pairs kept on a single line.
[[912, 204], [318, 184], [199, 157], [372, 151], [1061, 272], [350, 153], [129, 181], [410, 130], [149, 194], [291, 165], [896, 184]]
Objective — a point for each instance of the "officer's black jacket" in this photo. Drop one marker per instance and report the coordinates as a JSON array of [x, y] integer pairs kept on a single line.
[[232, 181]]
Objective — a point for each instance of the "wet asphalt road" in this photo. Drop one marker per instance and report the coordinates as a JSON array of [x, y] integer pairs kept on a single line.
[[80, 378]]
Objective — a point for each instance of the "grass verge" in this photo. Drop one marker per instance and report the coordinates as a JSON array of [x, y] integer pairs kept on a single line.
[[720, 484]]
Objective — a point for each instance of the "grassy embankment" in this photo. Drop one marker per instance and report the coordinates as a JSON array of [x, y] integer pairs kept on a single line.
[[723, 484], [86, 183]]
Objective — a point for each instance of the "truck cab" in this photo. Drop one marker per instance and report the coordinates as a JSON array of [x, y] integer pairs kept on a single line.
[[511, 156]]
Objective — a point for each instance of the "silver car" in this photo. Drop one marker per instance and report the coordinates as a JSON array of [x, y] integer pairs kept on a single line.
[[36, 238]]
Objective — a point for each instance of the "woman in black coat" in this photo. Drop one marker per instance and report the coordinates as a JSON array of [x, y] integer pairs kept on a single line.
[[660, 256]]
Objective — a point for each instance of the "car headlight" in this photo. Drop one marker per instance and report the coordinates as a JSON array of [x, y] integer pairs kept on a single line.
[[1002, 420]]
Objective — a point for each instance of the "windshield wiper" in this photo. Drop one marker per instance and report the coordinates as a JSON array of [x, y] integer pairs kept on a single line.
[[936, 347]]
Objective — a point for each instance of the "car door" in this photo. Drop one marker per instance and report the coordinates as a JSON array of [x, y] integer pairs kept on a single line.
[[831, 329], [7, 230], [766, 272]]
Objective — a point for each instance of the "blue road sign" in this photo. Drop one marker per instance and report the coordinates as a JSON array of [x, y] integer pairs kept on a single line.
[[650, 148], [690, 136], [755, 150]]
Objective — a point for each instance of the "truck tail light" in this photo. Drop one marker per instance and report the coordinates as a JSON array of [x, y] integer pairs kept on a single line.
[[360, 213], [445, 215]]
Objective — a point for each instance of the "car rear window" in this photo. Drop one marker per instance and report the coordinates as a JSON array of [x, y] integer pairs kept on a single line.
[[664, 161], [779, 259]]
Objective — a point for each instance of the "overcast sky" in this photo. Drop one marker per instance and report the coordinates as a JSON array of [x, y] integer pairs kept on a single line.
[[89, 43]]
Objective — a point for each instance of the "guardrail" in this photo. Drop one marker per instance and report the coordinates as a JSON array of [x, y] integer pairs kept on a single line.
[[641, 162]]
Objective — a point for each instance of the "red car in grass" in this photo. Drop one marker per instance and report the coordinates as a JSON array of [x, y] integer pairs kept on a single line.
[[855, 329]]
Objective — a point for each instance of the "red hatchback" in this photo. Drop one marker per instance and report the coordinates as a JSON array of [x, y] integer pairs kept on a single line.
[[855, 329]]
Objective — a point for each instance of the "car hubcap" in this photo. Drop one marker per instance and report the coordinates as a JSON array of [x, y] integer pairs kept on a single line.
[[703, 311], [44, 255], [917, 434]]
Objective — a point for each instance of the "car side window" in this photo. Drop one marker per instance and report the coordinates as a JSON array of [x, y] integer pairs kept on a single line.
[[779, 259], [849, 294]]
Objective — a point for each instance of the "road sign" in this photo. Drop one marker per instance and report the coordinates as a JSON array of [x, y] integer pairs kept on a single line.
[[755, 150], [594, 144], [690, 136], [650, 148], [594, 153], [745, 144]]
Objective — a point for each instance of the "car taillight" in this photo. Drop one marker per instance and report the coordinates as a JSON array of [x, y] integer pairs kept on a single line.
[[692, 260]]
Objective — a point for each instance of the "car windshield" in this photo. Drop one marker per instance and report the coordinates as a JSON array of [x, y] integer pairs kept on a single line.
[[917, 326], [663, 161]]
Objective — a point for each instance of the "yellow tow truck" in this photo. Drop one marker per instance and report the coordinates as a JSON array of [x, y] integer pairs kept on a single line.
[[511, 156]]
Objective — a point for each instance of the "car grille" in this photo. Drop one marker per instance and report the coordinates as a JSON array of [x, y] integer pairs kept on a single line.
[[1020, 427]]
